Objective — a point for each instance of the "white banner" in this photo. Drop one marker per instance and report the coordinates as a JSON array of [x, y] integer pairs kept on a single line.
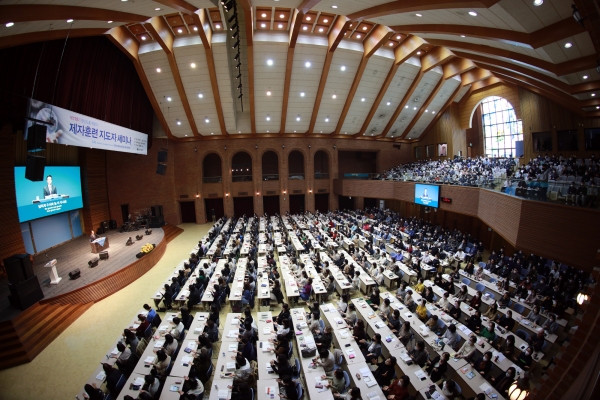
[[73, 129]]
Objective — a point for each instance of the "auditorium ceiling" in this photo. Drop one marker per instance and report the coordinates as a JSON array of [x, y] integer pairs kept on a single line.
[[366, 69]]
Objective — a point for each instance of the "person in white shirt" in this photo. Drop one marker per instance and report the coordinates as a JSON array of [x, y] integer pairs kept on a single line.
[[343, 305], [443, 302]]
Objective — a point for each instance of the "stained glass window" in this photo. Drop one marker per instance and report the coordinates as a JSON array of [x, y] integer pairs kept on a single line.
[[501, 128]]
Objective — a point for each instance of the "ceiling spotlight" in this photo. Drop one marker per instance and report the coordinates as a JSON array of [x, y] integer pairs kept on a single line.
[[238, 77], [169, 99], [158, 69], [144, 38], [268, 93], [593, 94], [207, 120], [241, 95], [418, 53], [200, 95], [333, 6], [236, 44], [308, 18], [307, 64], [414, 108], [391, 44], [363, 99], [433, 112], [426, 110], [218, 26], [538, 3], [389, 103], [280, 26], [263, 15], [234, 26], [269, 62], [334, 96], [405, 106], [268, 118], [69, 21], [297, 118], [237, 56], [263, 25], [320, 29], [9, 24], [179, 31], [234, 16], [304, 28], [568, 45], [239, 86], [364, 28], [301, 94], [576, 15], [235, 34], [326, 119], [418, 15], [110, 22], [196, 28], [597, 107], [193, 65], [472, 13], [281, 16], [343, 68], [238, 65], [178, 122], [399, 37], [358, 36], [157, 9], [585, 77]]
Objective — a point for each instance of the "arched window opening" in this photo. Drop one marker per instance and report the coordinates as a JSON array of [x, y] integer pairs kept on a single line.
[[270, 166], [501, 128], [211, 168], [241, 167]]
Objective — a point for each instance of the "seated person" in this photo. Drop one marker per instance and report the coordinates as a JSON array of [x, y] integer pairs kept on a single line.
[[371, 349], [451, 337], [525, 359], [537, 341], [421, 309], [484, 364], [385, 370], [394, 321], [398, 389], [325, 360], [467, 350], [418, 353], [506, 321], [454, 311], [550, 325], [474, 322], [489, 332]]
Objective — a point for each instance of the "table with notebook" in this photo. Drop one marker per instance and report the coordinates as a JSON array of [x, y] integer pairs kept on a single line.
[[342, 334], [362, 377], [267, 390], [264, 353], [374, 324], [132, 386], [231, 328], [171, 388], [183, 362]]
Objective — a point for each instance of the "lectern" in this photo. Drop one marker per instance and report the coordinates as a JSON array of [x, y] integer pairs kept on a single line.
[[54, 278]]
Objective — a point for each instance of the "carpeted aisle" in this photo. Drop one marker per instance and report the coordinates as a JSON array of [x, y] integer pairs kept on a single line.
[[62, 368]]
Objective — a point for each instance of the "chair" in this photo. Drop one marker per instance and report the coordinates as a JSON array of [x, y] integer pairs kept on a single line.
[[480, 287], [490, 294], [338, 359], [209, 372], [296, 375], [299, 391], [346, 381], [481, 264], [148, 332], [322, 324], [441, 327], [466, 281], [121, 383], [291, 350], [522, 334], [493, 280], [520, 308], [251, 393]]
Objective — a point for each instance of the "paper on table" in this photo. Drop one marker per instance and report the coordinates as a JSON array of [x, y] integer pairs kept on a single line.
[[271, 390], [138, 381], [232, 333], [269, 369], [420, 374], [319, 381], [174, 388], [115, 351], [230, 366], [149, 360], [344, 334], [235, 321], [365, 371], [186, 359], [159, 343], [267, 330], [233, 347], [223, 394], [101, 376]]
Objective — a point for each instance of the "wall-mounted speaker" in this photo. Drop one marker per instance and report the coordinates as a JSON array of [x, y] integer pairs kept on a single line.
[[36, 137], [161, 169], [162, 156], [34, 169]]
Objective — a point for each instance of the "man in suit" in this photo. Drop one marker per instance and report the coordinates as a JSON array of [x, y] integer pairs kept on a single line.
[[93, 236], [50, 189]]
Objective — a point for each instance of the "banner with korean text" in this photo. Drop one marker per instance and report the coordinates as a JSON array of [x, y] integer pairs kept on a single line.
[[73, 129]]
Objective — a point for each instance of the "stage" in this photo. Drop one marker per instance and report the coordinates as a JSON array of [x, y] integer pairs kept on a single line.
[[76, 254]]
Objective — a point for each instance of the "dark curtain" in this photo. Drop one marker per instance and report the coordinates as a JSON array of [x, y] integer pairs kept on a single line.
[[95, 78]]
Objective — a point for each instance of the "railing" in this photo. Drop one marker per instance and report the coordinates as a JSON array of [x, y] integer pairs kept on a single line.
[[212, 179], [241, 178], [270, 177], [321, 175], [296, 176]]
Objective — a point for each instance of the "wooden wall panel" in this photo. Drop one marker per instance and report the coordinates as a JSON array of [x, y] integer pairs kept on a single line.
[[501, 212], [475, 134], [509, 92], [94, 188], [447, 129], [465, 200]]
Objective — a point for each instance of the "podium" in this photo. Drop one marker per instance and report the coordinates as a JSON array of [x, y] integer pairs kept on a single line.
[[52, 274], [99, 245]]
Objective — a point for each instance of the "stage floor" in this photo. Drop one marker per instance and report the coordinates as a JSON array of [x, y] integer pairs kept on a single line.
[[76, 254]]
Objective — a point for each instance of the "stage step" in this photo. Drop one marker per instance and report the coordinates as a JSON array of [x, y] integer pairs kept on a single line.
[[35, 328], [171, 232]]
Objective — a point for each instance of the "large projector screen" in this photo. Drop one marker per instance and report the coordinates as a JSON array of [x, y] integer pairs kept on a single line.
[[60, 191], [427, 195]]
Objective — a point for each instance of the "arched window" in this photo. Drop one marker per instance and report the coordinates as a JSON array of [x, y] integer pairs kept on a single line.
[[241, 167], [211, 168], [501, 128]]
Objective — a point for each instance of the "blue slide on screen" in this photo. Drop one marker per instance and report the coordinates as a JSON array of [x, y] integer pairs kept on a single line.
[[427, 195], [60, 191]]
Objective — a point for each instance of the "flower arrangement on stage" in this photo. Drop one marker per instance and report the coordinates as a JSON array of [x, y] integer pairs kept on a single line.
[[147, 248]]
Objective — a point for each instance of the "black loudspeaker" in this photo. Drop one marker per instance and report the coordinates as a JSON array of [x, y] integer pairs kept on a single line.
[[112, 224], [93, 262], [162, 156], [103, 255], [161, 169], [158, 219], [25, 294], [34, 169], [18, 268], [36, 137], [157, 211], [105, 225], [76, 273]]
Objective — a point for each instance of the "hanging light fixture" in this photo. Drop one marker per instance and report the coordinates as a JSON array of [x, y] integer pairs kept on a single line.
[[577, 15], [581, 298], [516, 392]]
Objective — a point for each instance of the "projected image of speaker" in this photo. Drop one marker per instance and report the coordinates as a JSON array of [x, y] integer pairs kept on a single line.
[[34, 169], [162, 156], [36, 137], [161, 169]]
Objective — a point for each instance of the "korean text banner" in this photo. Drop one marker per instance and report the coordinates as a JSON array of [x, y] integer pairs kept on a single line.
[[73, 129]]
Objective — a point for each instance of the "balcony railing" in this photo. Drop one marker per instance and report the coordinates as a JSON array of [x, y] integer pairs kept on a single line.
[[212, 179], [321, 175], [296, 176], [270, 177], [241, 178]]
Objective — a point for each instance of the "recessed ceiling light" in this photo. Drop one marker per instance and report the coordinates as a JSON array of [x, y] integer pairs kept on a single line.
[[325, 20], [433, 112], [9, 24], [193, 65], [597, 107], [320, 29], [538, 3], [218, 26], [178, 122], [185, 135], [69, 21], [585, 77], [334, 96], [110, 22], [207, 120], [414, 108], [144, 38], [169, 99], [333, 6], [593, 94], [263, 15], [389, 103], [294, 131], [307, 64], [472, 13], [158, 70], [157, 9], [269, 62], [268, 118], [363, 99], [568, 45], [418, 15], [267, 132], [308, 18], [280, 26], [391, 44], [364, 28], [212, 133], [358, 36], [268, 93], [343, 68], [326, 119], [462, 35], [263, 25], [297, 118], [301, 94], [281, 16], [405, 106], [304, 28], [399, 37], [200, 95], [418, 53], [179, 31]]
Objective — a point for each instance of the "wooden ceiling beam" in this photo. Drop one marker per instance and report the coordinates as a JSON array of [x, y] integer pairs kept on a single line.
[[423, 107], [373, 42], [542, 37], [249, 22], [403, 52], [48, 12], [585, 87], [180, 5], [474, 75], [438, 56], [400, 107], [398, 7], [307, 5], [457, 66], [42, 36], [485, 84], [294, 32], [335, 36], [205, 32], [442, 110], [125, 41], [161, 31]]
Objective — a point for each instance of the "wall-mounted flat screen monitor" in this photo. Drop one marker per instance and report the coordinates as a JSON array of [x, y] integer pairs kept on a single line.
[[427, 195], [60, 191]]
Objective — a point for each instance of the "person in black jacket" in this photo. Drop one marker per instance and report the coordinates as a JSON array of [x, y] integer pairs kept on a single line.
[[194, 297], [281, 366], [385, 371], [112, 378], [437, 367], [284, 314]]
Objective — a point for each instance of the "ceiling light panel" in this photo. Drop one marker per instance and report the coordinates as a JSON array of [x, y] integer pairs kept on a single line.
[[197, 80], [373, 77], [304, 80], [163, 86], [269, 78], [405, 74], [339, 83]]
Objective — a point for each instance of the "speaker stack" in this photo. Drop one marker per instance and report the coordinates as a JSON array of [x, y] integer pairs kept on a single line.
[[36, 142], [23, 284], [158, 219]]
